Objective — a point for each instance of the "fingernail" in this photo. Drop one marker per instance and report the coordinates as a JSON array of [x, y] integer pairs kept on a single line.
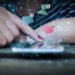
[[40, 37]]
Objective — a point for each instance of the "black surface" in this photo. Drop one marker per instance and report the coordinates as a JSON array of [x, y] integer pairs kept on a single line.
[[37, 67], [37, 64]]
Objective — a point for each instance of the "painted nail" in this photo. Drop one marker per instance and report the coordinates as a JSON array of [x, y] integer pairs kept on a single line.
[[40, 37]]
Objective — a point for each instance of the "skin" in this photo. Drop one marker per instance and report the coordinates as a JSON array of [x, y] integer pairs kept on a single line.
[[9, 28], [64, 29]]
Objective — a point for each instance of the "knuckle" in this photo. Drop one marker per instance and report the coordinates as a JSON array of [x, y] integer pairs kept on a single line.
[[16, 33], [4, 43], [10, 39]]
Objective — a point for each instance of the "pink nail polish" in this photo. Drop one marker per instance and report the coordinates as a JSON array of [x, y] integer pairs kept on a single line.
[[40, 37]]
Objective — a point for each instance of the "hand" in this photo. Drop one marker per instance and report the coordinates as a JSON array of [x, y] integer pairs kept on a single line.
[[64, 29], [10, 25]]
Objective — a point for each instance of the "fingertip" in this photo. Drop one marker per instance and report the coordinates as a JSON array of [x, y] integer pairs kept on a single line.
[[3, 42]]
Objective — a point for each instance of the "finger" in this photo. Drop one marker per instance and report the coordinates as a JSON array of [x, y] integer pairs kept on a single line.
[[12, 27], [26, 29], [2, 40], [29, 31], [6, 33]]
